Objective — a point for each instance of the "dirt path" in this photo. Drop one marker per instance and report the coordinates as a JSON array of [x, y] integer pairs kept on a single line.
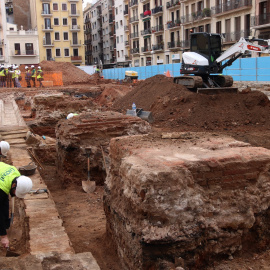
[[84, 220]]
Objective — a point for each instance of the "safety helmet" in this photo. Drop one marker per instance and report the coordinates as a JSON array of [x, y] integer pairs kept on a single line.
[[4, 147], [26, 67], [24, 185], [39, 67], [32, 66], [70, 115]]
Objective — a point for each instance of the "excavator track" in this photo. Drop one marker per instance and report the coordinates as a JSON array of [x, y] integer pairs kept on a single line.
[[223, 80], [191, 82]]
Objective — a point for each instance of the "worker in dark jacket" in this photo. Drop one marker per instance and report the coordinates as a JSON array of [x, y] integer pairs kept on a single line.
[[11, 182]]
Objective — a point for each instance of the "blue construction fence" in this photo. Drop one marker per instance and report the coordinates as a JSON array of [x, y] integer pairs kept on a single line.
[[243, 69]]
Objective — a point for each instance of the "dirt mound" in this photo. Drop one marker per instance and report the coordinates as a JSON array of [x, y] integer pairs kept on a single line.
[[71, 73], [174, 106]]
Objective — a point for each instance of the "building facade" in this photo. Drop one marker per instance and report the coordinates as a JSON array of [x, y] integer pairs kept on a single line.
[[88, 35], [60, 30], [158, 31]]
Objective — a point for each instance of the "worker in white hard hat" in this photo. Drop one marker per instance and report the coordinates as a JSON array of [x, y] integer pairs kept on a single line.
[[33, 75], [40, 76], [14, 184], [28, 76], [4, 148]]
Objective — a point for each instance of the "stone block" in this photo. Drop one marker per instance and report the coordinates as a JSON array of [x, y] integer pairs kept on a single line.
[[158, 205], [47, 83]]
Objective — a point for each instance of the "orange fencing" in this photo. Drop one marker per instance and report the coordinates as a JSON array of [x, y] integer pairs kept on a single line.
[[55, 76]]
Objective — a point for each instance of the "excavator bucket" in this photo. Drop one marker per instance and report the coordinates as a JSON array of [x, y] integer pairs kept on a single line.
[[144, 115]]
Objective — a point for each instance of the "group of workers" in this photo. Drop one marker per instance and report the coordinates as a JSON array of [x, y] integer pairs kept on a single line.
[[10, 76], [11, 183]]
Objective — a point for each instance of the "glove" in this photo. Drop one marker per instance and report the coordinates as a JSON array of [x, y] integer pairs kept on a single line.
[[4, 241]]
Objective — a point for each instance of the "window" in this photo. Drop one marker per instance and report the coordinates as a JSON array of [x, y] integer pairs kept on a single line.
[[17, 47], [56, 21], [55, 6], [66, 51], [46, 9], [56, 36], [117, 40], [57, 52], [121, 38], [47, 23], [121, 23], [65, 35], [122, 53], [116, 11], [73, 9], [116, 25], [75, 52], [167, 59], [65, 22], [118, 54], [64, 7]]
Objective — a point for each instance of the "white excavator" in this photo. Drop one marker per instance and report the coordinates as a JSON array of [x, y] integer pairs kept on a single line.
[[203, 65]]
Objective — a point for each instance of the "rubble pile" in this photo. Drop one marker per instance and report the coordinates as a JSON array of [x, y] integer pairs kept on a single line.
[[185, 198]]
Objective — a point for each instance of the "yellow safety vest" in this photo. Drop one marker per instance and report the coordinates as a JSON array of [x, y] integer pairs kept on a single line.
[[17, 73], [39, 74], [2, 73], [34, 74], [7, 175]]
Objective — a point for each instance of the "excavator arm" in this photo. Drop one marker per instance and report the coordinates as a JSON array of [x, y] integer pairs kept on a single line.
[[238, 49]]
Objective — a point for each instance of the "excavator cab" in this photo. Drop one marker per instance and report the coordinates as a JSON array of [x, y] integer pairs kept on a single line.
[[208, 45]]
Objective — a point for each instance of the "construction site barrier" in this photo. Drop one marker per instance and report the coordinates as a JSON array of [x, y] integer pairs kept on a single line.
[[244, 69], [55, 76]]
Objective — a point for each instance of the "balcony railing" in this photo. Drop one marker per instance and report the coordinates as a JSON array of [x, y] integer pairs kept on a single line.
[[75, 28], [76, 58], [46, 13], [174, 44], [185, 43], [157, 28], [111, 48], [135, 50], [75, 43], [126, 28], [235, 36], [47, 28], [157, 10], [47, 43], [173, 3], [111, 19], [45, 0], [87, 20], [75, 13], [126, 43], [125, 12], [134, 19], [146, 49], [145, 14], [175, 23], [260, 19], [187, 19], [201, 14], [24, 53], [231, 6], [158, 47], [2, 57], [133, 3], [146, 32], [134, 35]]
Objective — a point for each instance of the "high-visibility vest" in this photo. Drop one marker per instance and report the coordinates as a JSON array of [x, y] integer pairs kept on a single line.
[[39, 72], [17, 73], [2, 73], [7, 174], [34, 73]]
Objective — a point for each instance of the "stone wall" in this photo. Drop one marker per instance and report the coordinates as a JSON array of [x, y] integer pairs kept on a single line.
[[185, 198], [91, 130]]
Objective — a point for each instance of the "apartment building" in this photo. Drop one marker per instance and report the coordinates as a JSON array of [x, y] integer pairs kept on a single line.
[[158, 31], [2, 32], [88, 35], [60, 29]]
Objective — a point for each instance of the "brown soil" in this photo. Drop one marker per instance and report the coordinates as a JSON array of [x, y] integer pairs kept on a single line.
[[244, 116]]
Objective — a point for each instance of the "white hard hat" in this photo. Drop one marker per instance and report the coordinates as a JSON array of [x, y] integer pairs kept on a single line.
[[39, 67], [70, 115], [24, 185], [4, 147], [26, 67], [32, 66]]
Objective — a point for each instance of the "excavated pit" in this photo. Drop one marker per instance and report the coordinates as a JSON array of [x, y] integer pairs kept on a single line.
[[185, 199]]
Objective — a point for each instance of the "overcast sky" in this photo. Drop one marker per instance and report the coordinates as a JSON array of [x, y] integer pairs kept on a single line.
[[85, 2]]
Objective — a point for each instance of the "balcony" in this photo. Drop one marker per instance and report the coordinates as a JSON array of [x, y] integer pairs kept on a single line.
[[2, 42], [146, 49], [157, 10], [126, 28], [75, 28], [87, 20], [75, 13], [111, 48], [232, 37], [206, 13], [24, 53], [45, 0], [260, 20], [231, 6], [125, 12], [173, 4], [47, 28], [76, 58], [134, 35], [185, 43], [157, 29], [48, 43], [134, 19], [158, 47], [135, 51], [174, 44], [145, 14], [87, 41], [111, 19], [146, 32], [187, 19], [73, 0], [133, 3], [144, 1], [127, 43], [173, 24], [75, 43], [46, 13]]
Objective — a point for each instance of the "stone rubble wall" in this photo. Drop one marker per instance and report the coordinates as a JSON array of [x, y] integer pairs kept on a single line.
[[185, 199]]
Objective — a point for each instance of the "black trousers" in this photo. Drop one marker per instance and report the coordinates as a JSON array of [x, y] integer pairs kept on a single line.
[[4, 213]]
